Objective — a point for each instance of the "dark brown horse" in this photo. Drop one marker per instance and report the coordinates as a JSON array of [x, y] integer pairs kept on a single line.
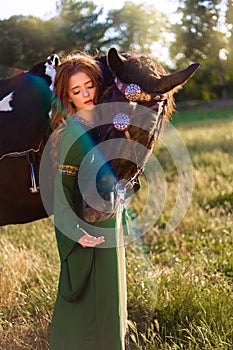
[[25, 102], [139, 103]]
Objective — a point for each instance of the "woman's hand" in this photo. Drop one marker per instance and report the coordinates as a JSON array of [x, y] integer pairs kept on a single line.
[[90, 241]]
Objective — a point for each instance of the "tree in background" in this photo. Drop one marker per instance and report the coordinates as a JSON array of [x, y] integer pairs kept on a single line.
[[25, 41], [138, 27], [79, 27], [228, 52], [203, 32], [200, 36]]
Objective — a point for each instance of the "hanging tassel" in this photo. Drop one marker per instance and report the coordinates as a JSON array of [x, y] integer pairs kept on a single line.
[[122, 214], [34, 188], [125, 218]]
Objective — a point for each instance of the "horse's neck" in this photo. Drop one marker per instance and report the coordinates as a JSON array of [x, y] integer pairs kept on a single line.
[[10, 81]]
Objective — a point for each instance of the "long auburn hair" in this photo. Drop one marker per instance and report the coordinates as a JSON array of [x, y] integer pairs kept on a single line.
[[62, 108]]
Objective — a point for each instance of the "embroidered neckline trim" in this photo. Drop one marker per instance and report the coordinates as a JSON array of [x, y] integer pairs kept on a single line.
[[83, 121]]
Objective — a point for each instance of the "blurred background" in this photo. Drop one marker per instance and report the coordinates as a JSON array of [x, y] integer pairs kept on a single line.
[[175, 32]]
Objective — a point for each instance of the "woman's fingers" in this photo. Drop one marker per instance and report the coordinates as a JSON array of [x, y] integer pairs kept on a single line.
[[90, 241]]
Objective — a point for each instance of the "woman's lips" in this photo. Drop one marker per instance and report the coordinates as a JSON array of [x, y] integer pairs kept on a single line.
[[88, 102]]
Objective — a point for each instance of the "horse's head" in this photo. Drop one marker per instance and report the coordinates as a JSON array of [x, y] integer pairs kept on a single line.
[[142, 79], [140, 100]]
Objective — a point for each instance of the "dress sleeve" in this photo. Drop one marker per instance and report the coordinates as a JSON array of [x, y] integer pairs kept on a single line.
[[67, 228]]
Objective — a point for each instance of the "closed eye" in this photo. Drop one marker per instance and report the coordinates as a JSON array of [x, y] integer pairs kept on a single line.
[[88, 87], [76, 92]]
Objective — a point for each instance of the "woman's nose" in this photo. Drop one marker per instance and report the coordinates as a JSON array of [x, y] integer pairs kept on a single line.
[[85, 92]]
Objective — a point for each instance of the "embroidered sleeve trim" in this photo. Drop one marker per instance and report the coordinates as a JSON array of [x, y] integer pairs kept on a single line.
[[68, 169]]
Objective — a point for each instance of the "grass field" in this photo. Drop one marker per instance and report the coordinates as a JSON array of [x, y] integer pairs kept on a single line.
[[180, 283]]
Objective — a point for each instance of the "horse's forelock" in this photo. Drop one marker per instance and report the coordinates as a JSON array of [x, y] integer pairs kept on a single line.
[[142, 70]]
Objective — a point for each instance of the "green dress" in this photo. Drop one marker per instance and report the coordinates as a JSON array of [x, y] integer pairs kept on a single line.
[[90, 309]]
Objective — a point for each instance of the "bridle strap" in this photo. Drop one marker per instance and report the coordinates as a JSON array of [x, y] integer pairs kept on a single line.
[[134, 92], [159, 98]]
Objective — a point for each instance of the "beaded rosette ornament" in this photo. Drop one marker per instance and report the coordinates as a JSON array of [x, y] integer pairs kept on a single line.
[[121, 121]]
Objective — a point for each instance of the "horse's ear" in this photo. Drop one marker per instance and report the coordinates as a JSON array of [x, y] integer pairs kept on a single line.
[[176, 80], [115, 61], [53, 59]]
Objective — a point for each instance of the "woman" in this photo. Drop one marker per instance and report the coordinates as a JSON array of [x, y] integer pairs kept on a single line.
[[90, 309]]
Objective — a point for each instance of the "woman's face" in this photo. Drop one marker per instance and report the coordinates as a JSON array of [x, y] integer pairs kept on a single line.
[[81, 91]]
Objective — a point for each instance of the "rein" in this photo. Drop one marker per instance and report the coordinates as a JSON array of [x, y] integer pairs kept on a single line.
[[121, 121]]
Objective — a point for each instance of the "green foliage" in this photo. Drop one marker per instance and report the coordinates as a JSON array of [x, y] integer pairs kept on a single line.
[[200, 35], [79, 27], [197, 112], [136, 26], [25, 41], [197, 32]]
